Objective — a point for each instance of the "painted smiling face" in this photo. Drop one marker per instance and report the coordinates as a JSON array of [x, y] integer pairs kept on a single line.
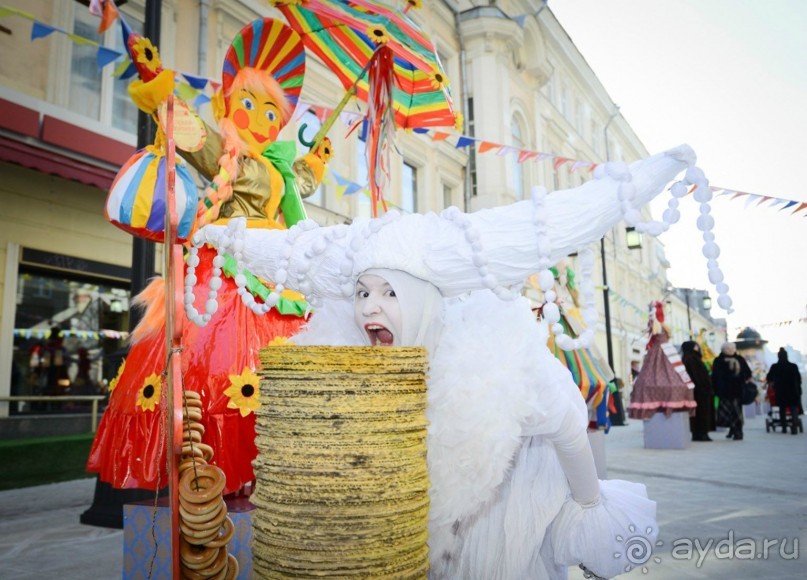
[[257, 117], [377, 311]]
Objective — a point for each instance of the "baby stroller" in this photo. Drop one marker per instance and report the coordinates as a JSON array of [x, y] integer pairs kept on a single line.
[[774, 420]]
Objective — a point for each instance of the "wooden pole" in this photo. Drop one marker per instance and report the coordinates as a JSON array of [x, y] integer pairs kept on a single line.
[[173, 336]]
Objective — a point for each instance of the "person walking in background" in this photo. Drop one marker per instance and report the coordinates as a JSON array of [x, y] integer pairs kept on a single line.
[[785, 378], [702, 422], [730, 372]]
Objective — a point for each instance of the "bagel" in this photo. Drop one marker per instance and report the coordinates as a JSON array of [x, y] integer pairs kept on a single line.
[[197, 538], [213, 522], [232, 567], [224, 536], [198, 509], [191, 435], [195, 519], [194, 556], [218, 566], [193, 413], [207, 482]]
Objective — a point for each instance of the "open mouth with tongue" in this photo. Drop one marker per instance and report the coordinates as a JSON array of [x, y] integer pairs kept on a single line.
[[379, 336]]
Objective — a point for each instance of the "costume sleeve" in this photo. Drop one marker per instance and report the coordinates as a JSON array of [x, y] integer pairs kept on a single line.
[[308, 171], [206, 160]]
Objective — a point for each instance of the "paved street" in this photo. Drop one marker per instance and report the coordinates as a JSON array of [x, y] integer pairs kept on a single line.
[[748, 491]]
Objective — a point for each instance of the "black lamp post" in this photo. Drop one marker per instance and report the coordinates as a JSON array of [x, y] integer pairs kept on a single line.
[[107, 504]]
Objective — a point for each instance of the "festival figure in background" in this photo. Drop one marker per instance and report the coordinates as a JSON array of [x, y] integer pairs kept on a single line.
[[253, 176]]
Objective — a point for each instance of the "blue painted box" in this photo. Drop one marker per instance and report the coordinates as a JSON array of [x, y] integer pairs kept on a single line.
[[140, 539]]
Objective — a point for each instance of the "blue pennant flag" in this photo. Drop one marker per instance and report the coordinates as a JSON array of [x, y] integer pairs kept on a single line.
[[789, 204], [339, 179], [352, 188], [195, 82], [464, 142], [129, 72], [200, 100], [106, 56], [420, 130], [39, 30]]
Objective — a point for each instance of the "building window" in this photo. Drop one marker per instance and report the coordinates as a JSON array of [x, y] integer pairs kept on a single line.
[[69, 336], [447, 196], [409, 188], [516, 168], [96, 93], [312, 125]]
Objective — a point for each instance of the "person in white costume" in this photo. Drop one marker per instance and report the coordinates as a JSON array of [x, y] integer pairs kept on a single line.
[[514, 492]]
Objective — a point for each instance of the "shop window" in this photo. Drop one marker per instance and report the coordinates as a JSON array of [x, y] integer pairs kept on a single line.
[[69, 336]]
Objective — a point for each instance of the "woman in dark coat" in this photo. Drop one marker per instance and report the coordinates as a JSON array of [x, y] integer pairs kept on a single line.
[[786, 381], [730, 372], [701, 423]]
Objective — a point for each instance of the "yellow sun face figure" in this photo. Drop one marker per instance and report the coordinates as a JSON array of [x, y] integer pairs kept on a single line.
[[149, 396], [244, 391], [256, 117]]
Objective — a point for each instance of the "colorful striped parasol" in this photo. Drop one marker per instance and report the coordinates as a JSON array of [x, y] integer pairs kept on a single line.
[[382, 57]]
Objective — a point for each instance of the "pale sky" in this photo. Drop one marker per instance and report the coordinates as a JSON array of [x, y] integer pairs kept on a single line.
[[728, 77]]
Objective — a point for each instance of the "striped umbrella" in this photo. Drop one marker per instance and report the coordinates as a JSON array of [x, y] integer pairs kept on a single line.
[[380, 55]]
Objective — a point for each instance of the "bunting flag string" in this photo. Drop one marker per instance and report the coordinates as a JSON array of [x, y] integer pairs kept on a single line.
[[191, 89], [44, 333], [780, 324]]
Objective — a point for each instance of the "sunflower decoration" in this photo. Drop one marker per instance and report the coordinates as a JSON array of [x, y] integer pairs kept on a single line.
[[244, 391], [325, 151], [416, 4], [459, 120], [114, 382], [277, 3], [279, 341], [149, 395], [147, 55], [438, 79], [378, 34]]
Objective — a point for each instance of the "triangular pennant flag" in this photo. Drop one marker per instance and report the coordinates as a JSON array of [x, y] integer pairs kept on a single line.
[[520, 20], [752, 197], [464, 141], [108, 16], [196, 82], [339, 179], [578, 164], [486, 146], [505, 150], [106, 56], [542, 156], [352, 188], [439, 136], [523, 155], [215, 85], [738, 194], [321, 113], [340, 191], [420, 130], [798, 209], [186, 92], [39, 30], [129, 72], [592, 167], [727, 192], [201, 100], [789, 204], [559, 161], [764, 199]]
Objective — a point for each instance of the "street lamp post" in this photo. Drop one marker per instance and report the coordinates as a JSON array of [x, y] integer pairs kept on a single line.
[[689, 316]]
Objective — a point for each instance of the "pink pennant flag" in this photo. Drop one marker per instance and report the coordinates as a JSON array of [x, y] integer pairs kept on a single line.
[[525, 155], [593, 167], [738, 194], [764, 199], [486, 146], [559, 161]]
